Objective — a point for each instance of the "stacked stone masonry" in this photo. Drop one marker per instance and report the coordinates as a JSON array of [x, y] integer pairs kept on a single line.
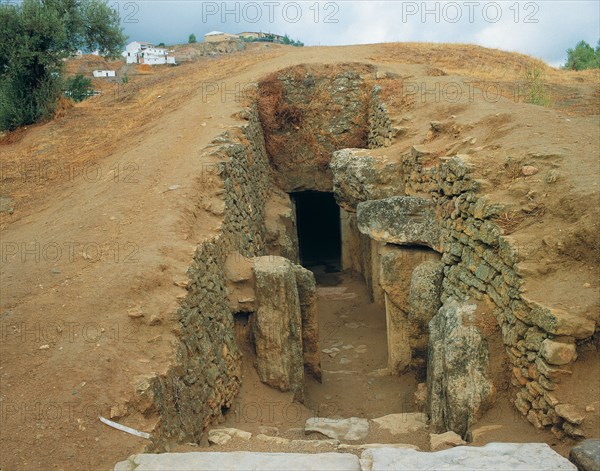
[[206, 374], [479, 262]]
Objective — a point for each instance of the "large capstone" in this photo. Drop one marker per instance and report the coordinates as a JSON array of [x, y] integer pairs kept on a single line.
[[358, 177], [403, 220], [459, 389]]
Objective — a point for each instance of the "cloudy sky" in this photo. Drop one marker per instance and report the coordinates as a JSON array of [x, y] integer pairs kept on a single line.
[[542, 28]]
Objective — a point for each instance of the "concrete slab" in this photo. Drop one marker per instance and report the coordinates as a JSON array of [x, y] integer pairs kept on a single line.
[[491, 457], [240, 461]]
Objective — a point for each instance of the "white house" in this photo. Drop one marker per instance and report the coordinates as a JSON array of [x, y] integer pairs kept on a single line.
[[140, 52], [103, 73]]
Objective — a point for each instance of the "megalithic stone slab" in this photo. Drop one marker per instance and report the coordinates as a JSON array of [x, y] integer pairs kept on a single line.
[[358, 177], [307, 294], [459, 389], [351, 429], [403, 220], [277, 325]]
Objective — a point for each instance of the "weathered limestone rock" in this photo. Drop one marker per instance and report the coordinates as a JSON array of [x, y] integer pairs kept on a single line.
[[240, 282], [398, 334], [277, 325], [351, 429], [570, 413], [396, 268], [273, 440], [586, 455], [559, 322], [459, 389], [424, 299], [573, 430], [220, 436], [240, 461], [443, 441], [348, 447], [396, 271], [558, 353], [307, 293], [400, 220], [491, 457], [358, 177], [280, 235], [400, 424]]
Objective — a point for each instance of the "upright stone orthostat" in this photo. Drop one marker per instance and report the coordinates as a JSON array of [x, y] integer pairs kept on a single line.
[[307, 294], [424, 300], [277, 325], [458, 387], [395, 273]]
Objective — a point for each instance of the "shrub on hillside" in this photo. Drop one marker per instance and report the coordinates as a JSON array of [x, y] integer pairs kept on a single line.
[[35, 37], [583, 57], [78, 87]]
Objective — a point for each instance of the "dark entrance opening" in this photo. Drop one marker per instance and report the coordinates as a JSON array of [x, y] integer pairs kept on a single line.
[[319, 233]]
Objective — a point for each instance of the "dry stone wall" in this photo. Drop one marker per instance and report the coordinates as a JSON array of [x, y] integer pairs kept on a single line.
[[481, 262], [205, 376], [381, 131]]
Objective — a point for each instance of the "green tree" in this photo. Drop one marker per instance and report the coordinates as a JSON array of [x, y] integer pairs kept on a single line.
[[192, 39], [35, 37], [78, 87], [583, 57]]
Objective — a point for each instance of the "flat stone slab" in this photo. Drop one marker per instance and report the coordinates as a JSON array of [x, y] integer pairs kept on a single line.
[[240, 461], [586, 455], [351, 429], [492, 457], [400, 424]]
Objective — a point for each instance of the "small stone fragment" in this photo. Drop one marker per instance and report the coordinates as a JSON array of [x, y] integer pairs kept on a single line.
[[529, 170], [443, 441], [569, 413], [558, 353], [135, 312]]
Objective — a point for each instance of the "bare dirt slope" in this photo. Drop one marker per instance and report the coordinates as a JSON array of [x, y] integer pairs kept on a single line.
[[113, 193]]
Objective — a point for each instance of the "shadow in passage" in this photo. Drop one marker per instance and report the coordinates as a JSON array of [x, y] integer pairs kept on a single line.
[[352, 332], [319, 232]]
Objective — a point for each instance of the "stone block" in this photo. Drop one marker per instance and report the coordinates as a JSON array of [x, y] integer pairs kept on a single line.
[[403, 220]]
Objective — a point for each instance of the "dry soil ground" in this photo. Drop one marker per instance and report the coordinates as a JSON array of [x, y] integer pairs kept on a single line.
[[109, 208]]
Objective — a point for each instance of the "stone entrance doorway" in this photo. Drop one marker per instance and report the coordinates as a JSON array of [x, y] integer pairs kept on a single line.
[[319, 234]]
